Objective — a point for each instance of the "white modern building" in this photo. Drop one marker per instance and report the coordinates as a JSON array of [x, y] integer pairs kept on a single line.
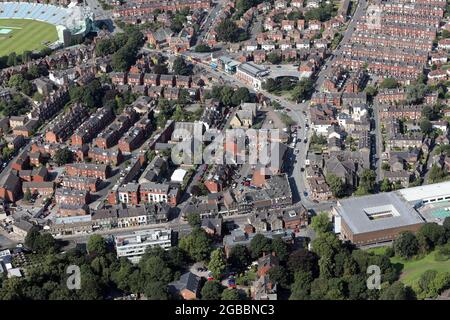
[[133, 245], [429, 193]]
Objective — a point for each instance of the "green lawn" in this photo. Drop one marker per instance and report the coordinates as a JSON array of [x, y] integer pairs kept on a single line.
[[413, 269], [377, 250], [25, 35]]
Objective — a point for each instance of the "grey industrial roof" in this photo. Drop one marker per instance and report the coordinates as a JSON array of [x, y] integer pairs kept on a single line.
[[353, 212]]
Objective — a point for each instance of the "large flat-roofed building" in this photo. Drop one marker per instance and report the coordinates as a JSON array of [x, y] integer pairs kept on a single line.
[[133, 245], [375, 218], [427, 194], [251, 74]]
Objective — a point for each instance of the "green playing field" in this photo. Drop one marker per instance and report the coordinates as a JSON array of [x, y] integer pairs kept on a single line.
[[25, 35]]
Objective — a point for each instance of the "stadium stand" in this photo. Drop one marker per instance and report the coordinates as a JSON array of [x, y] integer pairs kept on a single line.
[[72, 21]]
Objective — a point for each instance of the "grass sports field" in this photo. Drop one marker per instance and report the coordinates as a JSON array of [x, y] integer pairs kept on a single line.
[[19, 35]]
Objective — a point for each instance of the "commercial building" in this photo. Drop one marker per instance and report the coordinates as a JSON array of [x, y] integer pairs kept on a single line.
[[251, 74], [133, 245]]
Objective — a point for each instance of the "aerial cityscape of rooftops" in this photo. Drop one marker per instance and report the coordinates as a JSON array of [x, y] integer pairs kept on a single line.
[[335, 184]]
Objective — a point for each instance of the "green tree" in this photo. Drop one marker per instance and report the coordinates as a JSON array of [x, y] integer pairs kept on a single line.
[[40, 243], [416, 92], [302, 260], [279, 275], [194, 220], [32, 238], [124, 275], [197, 245], [97, 245], [357, 287], [230, 294], [202, 48], [437, 174], [12, 289], [302, 90], [227, 31], [326, 246], [274, 57], [217, 264], [63, 156], [26, 56], [259, 245], [433, 234], [385, 185], [446, 225], [271, 85], [180, 67], [26, 87], [16, 80], [212, 290], [425, 126], [295, 15], [336, 185], [280, 248], [239, 258], [406, 245], [156, 291], [371, 91], [242, 94], [321, 223], [301, 287], [154, 269], [160, 69], [12, 59], [425, 283], [366, 182], [397, 291]]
